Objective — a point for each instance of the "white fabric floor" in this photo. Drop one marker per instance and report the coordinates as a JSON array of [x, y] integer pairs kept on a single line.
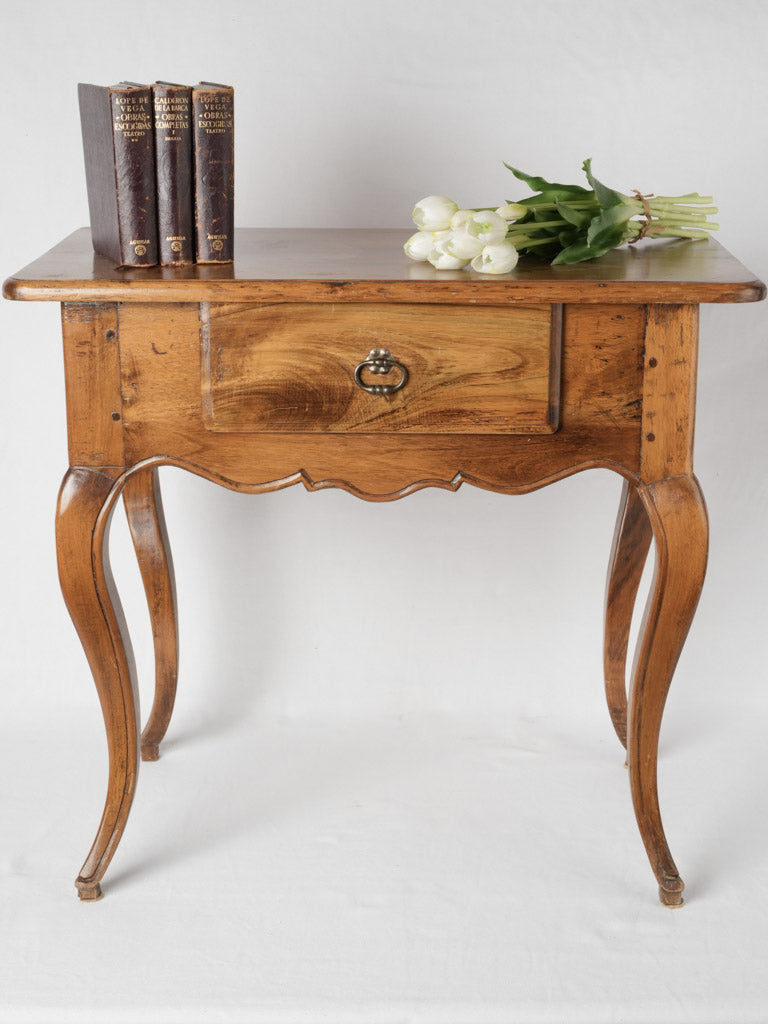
[[409, 868]]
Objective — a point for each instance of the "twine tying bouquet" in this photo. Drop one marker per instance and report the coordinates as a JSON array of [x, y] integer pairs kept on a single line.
[[559, 223]]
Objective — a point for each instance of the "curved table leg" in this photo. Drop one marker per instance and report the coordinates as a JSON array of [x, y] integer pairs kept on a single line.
[[144, 509], [631, 541], [678, 516], [82, 529]]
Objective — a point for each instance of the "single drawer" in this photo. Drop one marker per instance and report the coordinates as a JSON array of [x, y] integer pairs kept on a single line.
[[313, 367]]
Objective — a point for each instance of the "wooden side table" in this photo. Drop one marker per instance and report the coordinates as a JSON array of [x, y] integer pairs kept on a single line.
[[327, 358]]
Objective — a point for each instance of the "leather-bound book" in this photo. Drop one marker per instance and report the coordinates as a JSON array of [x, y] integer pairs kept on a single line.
[[119, 150], [173, 169], [214, 148]]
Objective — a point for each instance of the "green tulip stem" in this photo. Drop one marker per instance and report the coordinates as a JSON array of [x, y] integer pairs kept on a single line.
[[693, 198], [678, 232], [522, 242], [534, 225]]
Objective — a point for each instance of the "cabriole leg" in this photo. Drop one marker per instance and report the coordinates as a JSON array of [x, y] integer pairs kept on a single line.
[[82, 529], [678, 517], [144, 510], [629, 551]]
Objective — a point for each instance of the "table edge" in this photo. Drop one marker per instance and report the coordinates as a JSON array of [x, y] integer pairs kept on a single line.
[[499, 292]]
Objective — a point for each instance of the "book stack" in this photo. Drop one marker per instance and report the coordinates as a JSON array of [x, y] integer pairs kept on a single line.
[[159, 168]]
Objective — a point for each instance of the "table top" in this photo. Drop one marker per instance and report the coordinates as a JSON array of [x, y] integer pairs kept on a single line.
[[361, 264]]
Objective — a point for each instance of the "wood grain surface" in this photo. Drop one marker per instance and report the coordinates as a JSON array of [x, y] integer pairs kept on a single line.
[[368, 265], [92, 379], [146, 521], [163, 375], [83, 515], [290, 367], [631, 541]]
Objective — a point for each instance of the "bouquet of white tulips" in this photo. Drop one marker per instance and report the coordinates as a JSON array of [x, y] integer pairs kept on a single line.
[[561, 223]]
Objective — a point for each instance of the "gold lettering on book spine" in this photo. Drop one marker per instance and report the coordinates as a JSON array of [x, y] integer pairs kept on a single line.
[[134, 116], [172, 114], [216, 116]]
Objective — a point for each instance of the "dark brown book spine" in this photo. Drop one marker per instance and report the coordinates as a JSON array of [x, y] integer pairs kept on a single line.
[[214, 159], [118, 145], [173, 170]]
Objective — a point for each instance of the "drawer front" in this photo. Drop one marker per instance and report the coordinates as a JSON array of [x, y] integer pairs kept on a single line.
[[305, 367]]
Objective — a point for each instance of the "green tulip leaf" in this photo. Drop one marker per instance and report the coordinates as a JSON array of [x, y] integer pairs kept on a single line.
[[579, 218], [577, 252], [608, 226], [605, 196], [568, 237], [537, 184]]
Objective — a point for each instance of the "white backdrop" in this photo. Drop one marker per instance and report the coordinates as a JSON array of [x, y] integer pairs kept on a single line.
[[391, 790]]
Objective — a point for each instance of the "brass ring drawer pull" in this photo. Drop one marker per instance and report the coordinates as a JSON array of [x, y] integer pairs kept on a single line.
[[380, 361]]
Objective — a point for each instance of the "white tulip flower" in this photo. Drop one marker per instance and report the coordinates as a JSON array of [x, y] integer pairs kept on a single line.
[[434, 213], [512, 211], [419, 246], [487, 226], [460, 218], [463, 245], [496, 259], [442, 259]]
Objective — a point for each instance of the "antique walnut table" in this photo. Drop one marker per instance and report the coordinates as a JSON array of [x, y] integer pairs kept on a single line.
[[327, 358]]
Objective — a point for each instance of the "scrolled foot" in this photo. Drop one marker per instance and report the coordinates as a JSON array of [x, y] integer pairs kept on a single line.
[[89, 892], [671, 892]]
